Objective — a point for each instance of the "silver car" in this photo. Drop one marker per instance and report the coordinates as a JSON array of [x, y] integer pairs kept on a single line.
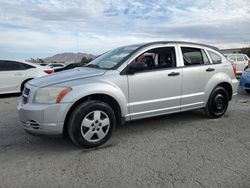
[[124, 84]]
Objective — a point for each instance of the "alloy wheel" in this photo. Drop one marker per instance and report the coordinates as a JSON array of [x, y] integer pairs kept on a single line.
[[95, 126]]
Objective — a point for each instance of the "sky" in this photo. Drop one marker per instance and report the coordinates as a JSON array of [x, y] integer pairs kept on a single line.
[[41, 28]]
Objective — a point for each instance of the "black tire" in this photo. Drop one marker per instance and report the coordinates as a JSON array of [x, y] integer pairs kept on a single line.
[[248, 91], [87, 110], [217, 103]]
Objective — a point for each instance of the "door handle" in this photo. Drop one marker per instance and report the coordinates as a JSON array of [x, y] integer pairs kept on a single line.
[[174, 74], [210, 69]]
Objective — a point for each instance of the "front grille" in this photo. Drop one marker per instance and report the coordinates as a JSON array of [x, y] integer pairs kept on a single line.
[[25, 95]]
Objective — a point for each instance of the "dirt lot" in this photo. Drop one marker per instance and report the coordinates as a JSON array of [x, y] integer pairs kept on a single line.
[[179, 150]]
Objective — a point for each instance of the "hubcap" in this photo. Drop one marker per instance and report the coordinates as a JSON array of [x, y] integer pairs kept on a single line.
[[95, 126], [219, 103]]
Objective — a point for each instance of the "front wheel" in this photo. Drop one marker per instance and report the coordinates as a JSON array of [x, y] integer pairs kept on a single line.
[[217, 103], [91, 124]]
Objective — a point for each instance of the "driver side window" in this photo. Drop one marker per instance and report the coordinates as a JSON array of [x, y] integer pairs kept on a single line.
[[158, 58]]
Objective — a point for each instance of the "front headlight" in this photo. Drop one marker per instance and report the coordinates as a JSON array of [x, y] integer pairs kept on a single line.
[[51, 95]]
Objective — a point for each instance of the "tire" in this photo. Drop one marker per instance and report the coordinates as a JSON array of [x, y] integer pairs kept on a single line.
[[91, 124], [248, 91], [217, 103]]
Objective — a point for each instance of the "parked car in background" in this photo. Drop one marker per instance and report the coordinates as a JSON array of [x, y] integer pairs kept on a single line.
[[14, 74], [245, 80], [88, 102], [241, 61], [70, 66], [43, 64], [56, 65]]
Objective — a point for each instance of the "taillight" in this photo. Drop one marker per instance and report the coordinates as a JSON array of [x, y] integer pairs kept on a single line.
[[249, 63], [234, 68], [48, 71]]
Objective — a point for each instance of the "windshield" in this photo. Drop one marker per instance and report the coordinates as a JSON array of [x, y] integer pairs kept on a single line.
[[112, 58]]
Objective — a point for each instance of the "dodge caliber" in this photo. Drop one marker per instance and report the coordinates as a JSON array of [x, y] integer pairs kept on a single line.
[[124, 84]]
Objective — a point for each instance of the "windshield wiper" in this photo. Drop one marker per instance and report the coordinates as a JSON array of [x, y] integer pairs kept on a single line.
[[92, 65]]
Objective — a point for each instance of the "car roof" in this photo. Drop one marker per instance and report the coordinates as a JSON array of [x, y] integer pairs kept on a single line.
[[142, 45], [236, 54]]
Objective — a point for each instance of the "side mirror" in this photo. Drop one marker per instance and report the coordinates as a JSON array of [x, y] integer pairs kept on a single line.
[[136, 67]]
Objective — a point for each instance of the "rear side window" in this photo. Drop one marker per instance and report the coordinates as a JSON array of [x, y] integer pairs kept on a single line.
[[245, 57], [216, 59], [239, 57], [194, 56], [26, 66], [13, 66], [9, 66], [2, 66]]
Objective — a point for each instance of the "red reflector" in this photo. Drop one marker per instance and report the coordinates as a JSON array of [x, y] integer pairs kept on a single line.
[[234, 68], [48, 71]]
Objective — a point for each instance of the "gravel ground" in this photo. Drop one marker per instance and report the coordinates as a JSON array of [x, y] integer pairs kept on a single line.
[[178, 150]]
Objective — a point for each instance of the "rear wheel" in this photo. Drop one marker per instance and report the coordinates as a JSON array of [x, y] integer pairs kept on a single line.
[[248, 91], [91, 124], [217, 103]]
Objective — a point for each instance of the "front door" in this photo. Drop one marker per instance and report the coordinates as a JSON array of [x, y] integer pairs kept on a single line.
[[156, 88]]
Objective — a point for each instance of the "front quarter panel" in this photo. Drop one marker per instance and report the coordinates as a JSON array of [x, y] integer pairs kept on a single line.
[[118, 92]]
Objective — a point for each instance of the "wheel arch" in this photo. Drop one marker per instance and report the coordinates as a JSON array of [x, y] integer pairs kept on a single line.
[[24, 82], [228, 87], [110, 100], [219, 79]]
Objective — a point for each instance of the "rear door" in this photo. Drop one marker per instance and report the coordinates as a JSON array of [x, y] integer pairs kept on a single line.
[[12, 74], [197, 70]]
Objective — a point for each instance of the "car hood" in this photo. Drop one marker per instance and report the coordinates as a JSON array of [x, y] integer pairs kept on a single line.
[[65, 76]]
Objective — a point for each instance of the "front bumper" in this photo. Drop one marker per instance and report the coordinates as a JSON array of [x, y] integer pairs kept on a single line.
[[42, 118], [245, 83]]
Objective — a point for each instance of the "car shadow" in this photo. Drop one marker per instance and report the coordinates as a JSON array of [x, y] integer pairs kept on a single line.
[[10, 95], [137, 127], [165, 121]]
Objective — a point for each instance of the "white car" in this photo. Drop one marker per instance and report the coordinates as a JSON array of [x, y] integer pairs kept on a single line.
[[241, 61], [14, 74]]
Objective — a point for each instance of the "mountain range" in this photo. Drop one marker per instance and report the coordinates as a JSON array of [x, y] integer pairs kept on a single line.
[[68, 57]]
